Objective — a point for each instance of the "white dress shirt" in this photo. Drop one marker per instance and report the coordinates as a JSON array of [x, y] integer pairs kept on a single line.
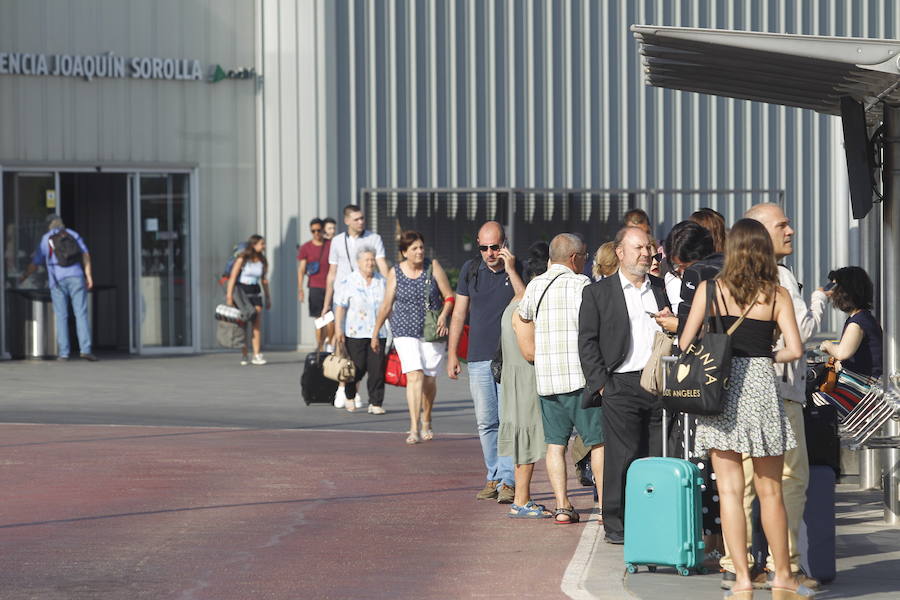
[[673, 291], [639, 302]]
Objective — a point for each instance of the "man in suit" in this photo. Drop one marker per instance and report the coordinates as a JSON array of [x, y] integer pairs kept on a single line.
[[615, 339]]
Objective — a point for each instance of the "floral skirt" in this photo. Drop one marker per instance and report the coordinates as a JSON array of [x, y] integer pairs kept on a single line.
[[753, 420]]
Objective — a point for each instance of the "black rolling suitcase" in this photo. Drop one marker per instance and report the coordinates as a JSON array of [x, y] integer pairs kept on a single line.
[[315, 388], [816, 538]]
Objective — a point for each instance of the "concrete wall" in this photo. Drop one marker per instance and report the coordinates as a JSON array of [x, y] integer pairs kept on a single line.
[[63, 121]]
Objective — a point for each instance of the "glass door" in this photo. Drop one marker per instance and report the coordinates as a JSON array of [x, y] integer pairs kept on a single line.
[[26, 198], [162, 262]]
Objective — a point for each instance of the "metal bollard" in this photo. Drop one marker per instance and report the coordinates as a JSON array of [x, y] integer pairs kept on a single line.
[[870, 468], [892, 477]]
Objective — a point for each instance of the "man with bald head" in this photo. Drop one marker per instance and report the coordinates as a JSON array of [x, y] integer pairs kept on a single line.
[[791, 381], [615, 340], [486, 286], [551, 302]]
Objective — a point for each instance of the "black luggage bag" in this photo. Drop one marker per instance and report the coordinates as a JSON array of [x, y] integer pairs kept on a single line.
[[818, 547], [823, 442], [315, 388]]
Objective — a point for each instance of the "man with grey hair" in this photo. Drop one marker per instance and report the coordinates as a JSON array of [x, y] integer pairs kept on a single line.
[[69, 277], [615, 340], [791, 381], [552, 301]]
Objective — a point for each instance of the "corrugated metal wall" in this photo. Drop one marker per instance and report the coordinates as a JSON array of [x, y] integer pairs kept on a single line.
[[544, 93]]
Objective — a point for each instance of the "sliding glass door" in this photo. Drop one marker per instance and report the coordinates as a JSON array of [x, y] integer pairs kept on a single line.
[[162, 300]]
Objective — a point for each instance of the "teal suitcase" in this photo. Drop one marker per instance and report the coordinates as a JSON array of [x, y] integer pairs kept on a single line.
[[663, 515]]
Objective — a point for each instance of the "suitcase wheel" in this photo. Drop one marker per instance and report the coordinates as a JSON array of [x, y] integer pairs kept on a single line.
[[683, 571], [631, 568], [651, 568]]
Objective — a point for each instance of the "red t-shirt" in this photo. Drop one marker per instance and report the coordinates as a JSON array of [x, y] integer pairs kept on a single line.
[[315, 254]]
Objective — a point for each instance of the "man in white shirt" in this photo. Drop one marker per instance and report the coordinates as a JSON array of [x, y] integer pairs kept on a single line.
[[791, 382], [552, 301], [345, 246], [615, 340]]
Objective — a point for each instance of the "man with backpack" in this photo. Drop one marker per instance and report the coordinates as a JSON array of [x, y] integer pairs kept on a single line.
[[69, 277], [486, 285]]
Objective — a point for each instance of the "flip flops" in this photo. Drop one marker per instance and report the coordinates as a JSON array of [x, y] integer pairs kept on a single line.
[[528, 511]]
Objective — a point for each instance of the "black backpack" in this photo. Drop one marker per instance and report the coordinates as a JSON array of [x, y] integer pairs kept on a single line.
[[65, 248]]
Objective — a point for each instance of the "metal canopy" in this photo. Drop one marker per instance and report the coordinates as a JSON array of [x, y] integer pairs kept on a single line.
[[806, 71]]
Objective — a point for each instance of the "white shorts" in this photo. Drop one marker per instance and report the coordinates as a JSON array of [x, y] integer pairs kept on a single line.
[[419, 355]]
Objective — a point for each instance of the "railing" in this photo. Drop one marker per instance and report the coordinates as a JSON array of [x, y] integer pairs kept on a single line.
[[449, 218]]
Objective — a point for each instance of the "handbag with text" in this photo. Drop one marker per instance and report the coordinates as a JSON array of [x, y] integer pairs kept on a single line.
[[694, 382]]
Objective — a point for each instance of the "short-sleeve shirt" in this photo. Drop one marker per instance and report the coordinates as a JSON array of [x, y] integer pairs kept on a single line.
[[557, 365], [44, 255], [362, 302], [344, 248], [316, 254], [489, 292], [868, 357]]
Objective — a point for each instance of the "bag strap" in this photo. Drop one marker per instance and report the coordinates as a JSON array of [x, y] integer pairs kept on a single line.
[[428, 282], [347, 250], [739, 321], [541, 299]]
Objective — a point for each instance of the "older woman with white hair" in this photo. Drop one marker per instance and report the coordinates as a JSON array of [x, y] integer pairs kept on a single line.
[[356, 302]]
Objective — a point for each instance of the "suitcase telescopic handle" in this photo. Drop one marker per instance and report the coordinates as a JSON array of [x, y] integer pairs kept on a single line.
[[665, 418]]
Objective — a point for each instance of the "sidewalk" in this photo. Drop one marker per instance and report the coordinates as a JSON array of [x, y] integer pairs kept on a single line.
[[868, 562]]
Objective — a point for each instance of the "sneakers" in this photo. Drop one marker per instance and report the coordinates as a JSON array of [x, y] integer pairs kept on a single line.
[[258, 359], [339, 397], [376, 410], [489, 492], [506, 494], [758, 578], [245, 360], [89, 357], [359, 402]]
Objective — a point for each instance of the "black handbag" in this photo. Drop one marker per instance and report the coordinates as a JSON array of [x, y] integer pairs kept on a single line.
[[695, 382]]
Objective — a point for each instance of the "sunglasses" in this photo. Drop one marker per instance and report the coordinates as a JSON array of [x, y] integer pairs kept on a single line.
[[494, 247], [657, 257], [319, 230]]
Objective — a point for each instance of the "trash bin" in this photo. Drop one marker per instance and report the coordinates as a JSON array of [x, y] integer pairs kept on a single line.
[[31, 323]]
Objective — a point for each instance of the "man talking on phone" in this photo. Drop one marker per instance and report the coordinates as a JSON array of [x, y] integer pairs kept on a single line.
[[486, 286]]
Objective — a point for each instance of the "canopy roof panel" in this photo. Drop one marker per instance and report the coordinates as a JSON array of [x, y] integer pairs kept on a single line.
[[806, 71]]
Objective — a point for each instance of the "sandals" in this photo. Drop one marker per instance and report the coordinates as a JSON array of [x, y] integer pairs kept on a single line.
[[412, 438], [427, 433], [786, 594], [529, 511], [741, 595], [569, 513]]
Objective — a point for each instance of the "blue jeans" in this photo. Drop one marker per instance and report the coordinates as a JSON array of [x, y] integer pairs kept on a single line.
[[486, 396], [74, 289]]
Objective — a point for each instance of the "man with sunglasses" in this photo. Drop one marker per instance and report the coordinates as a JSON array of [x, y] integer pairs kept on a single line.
[[486, 286], [313, 263]]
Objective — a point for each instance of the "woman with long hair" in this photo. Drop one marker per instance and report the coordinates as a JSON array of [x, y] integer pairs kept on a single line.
[[415, 285], [249, 274], [752, 420]]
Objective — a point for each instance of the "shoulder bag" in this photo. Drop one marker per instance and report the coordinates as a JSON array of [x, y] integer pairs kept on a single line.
[[694, 383], [653, 375], [338, 367], [429, 331]]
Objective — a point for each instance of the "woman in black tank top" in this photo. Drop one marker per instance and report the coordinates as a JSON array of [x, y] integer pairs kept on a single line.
[[753, 420]]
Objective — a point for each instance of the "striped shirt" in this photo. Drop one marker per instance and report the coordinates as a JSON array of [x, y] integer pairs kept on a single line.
[[557, 365]]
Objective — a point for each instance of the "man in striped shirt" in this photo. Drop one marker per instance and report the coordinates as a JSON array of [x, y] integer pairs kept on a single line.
[[552, 302]]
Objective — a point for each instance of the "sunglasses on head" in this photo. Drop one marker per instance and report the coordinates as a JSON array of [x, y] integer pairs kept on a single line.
[[494, 247]]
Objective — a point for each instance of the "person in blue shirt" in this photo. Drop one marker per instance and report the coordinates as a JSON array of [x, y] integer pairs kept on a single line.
[[67, 284]]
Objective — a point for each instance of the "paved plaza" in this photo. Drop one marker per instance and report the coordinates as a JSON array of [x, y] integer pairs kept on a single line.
[[194, 478]]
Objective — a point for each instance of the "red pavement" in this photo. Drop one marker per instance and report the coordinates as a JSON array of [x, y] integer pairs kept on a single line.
[[150, 512]]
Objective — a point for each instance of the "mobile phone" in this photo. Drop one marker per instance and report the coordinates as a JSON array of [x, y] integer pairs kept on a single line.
[[652, 314], [828, 286]]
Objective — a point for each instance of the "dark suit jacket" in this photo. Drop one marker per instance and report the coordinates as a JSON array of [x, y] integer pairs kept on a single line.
[[604, 331], [702, 270]]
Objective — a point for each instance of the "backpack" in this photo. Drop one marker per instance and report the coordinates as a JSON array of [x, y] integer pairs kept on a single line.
[[235, 252], [64, 247]]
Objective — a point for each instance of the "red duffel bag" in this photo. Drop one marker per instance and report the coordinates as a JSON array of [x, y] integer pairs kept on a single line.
[[393, 371]]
